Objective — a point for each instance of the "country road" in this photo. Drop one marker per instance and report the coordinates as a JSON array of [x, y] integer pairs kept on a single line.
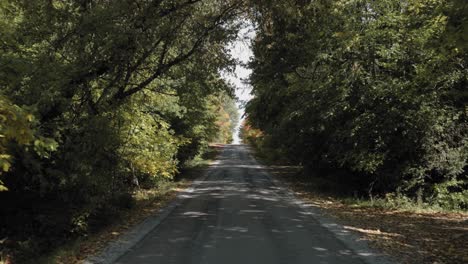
[[238, 215]]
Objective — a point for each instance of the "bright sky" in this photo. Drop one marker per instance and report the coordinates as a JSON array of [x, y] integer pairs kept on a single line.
[[241, 51]]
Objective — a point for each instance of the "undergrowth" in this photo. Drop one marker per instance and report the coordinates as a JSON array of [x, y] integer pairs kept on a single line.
[[349, 189], [57, 241]]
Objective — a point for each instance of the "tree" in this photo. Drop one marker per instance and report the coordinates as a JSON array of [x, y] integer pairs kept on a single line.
[[371, 87], [100, 96]]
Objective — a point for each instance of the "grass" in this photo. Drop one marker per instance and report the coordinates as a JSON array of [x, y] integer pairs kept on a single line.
[[204, 160]]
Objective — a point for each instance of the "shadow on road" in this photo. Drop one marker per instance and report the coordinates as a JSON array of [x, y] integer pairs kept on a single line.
[[239, 215]]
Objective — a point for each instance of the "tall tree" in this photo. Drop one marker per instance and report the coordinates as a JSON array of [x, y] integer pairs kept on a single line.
[[374, 87]]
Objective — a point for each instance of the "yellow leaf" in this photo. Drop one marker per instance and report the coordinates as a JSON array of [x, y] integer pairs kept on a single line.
[[6, 166], [30, 117]]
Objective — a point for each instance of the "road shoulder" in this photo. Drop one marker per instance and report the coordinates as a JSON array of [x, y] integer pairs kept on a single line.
[[408, 236], [117, 248], [353, 240]]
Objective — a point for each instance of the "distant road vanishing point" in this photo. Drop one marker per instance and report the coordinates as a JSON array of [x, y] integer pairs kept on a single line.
[[239, 215]]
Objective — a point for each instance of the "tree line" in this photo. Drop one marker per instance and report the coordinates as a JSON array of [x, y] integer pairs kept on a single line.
[[377, 89], [98, 98]]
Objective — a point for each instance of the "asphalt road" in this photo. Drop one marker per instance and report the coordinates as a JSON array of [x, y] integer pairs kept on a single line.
[[238, 215]]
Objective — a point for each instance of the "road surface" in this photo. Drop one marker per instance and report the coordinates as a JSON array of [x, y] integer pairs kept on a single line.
[[238, 215]]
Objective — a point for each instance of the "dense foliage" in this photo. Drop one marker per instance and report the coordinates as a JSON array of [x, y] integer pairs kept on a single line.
[[376, 88], [98, 98]]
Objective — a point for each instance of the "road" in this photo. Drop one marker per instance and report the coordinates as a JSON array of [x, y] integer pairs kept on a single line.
[[238, 215]]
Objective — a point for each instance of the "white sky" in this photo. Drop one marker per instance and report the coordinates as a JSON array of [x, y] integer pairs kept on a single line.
[[241, 51]]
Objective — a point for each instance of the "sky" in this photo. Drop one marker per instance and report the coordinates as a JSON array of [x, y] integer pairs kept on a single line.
[[241, 51]]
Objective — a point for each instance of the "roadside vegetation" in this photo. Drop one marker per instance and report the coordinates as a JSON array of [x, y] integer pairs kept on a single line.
[[146, 202], [361, 107], [370, 94], [103, 103]]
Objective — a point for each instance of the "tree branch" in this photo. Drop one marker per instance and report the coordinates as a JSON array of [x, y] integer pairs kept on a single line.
[[163, 68]]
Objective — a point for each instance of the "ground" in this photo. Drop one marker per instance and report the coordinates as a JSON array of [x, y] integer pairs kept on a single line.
[[410, 236]]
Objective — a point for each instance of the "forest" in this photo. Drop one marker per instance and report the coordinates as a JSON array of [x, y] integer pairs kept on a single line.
[[374, 91], [100, 98]]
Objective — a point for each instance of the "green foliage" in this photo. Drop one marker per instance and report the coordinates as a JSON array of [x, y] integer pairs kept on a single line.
[[17, 130], [99, 98], [149, 145], [451, 194], [374, 87], [14, 127]]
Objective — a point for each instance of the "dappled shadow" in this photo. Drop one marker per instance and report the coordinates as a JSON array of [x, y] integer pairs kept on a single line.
[[413, 237], [238, 215]]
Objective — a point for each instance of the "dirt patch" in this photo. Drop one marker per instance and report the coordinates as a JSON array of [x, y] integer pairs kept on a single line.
[[410, 237]]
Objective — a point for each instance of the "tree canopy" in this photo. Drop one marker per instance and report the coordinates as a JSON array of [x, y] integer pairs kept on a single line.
[[378, 88], [99, 98]]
